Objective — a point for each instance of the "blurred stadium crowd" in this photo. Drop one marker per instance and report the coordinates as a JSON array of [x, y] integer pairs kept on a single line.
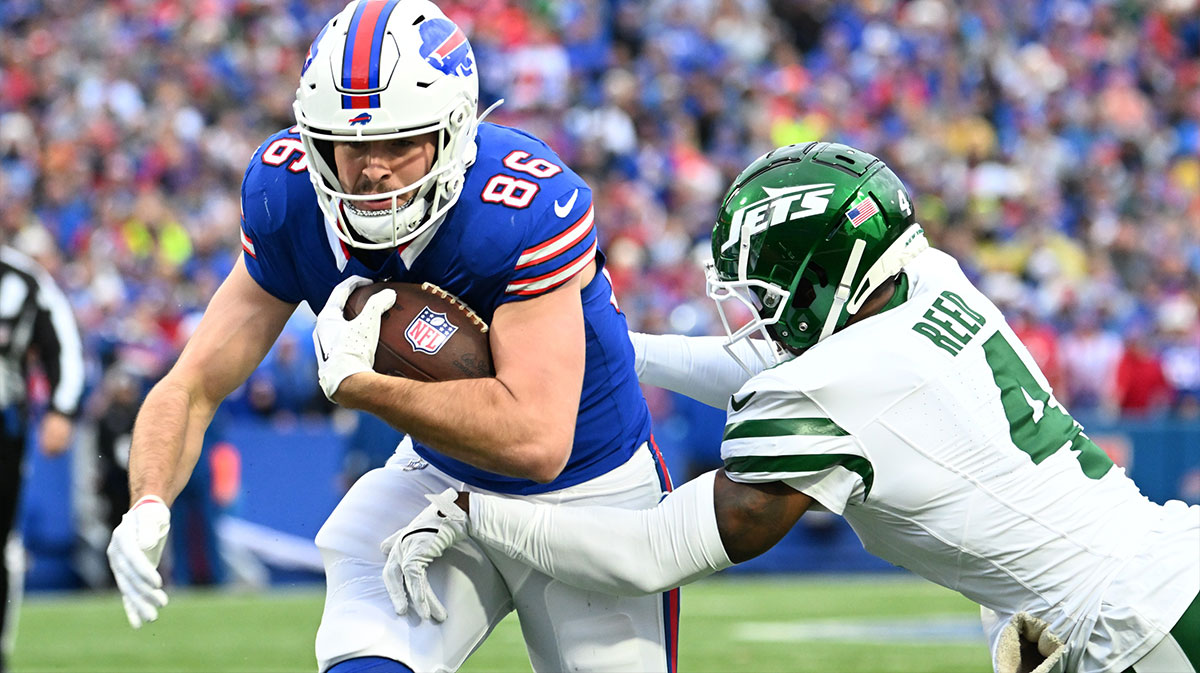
[[1052, 146]]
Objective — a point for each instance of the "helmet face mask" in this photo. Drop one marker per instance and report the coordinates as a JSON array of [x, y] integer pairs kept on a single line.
[[761, 301], [382, 70], [805, 234]]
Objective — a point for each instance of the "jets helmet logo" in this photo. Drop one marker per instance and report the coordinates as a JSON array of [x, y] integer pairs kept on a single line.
[[781, 205]]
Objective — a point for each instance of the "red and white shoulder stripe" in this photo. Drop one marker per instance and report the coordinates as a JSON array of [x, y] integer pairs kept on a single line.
[[551, 263], [555, 278], [544, 251], [248, 245]]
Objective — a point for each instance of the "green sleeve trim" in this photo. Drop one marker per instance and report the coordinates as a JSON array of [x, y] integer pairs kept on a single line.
[[797, 464], [783, 427]]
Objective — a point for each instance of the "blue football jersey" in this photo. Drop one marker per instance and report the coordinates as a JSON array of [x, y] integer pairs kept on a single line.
[[522, 227]]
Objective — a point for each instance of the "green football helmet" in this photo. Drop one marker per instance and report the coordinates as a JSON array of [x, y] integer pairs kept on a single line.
[[805, 234]]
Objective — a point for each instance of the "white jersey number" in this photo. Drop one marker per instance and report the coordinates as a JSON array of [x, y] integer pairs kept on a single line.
[[515, 192], [282, 151]]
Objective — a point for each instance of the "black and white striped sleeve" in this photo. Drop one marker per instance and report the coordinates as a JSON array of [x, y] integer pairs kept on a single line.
[[58, 346]]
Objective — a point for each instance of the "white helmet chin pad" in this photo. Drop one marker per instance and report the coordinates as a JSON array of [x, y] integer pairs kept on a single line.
[[382, 226], [382, 70]]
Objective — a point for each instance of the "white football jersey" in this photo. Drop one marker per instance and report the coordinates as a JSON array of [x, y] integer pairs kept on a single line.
[[930, 428]]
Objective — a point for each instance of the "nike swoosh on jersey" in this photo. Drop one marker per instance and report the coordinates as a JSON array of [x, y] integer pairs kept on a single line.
[[738, 405], [565, 209]]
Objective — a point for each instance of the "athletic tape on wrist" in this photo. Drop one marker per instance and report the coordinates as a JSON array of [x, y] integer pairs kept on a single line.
[[147, 498]]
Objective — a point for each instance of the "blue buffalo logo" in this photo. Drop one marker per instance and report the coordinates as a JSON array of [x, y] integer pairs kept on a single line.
[[445, 47], [312, 50], [360, 120]]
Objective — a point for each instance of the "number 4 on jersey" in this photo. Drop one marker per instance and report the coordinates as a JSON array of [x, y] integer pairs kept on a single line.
[[1038, 424]]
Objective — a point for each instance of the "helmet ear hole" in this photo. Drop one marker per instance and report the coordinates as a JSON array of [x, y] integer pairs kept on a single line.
[[806, 288], [804, 295]]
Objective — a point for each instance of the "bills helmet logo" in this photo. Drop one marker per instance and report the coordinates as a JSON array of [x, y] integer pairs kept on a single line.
[[429, 331], [445, 47], [361, 119], [312, 50]]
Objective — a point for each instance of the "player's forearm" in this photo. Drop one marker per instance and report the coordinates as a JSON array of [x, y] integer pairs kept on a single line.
[[698, 367], [608, 549], [167, 437], [477, 421]]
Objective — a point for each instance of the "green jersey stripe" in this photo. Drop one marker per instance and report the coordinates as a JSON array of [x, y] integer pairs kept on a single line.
[[783, 427], [817, 463]]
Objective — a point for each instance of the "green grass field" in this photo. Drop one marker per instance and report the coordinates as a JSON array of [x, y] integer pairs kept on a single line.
[[826, 624]]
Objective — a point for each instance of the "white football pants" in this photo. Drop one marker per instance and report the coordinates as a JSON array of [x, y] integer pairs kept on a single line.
[[565, 628]]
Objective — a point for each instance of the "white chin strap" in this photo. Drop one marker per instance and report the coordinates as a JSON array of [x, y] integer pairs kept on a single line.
[[842, 294], [910, 244]]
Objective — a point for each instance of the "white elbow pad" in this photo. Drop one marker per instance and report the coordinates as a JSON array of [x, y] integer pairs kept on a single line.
[[608, 549]]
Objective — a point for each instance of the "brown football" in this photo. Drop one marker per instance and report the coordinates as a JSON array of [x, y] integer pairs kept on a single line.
[[428, 335]]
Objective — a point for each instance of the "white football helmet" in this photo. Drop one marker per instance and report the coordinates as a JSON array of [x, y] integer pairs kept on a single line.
[[384, 69]]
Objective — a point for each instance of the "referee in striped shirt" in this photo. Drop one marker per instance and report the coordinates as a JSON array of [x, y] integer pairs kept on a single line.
[[36, 324]]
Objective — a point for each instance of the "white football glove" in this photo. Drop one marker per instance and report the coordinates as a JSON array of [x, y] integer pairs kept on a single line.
[[411, 549], [136, 547], [347, 347]]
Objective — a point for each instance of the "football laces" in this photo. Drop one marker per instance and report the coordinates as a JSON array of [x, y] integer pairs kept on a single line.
[[458, 303]]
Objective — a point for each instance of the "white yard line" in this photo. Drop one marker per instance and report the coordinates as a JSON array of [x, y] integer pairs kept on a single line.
[[942, 629]]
